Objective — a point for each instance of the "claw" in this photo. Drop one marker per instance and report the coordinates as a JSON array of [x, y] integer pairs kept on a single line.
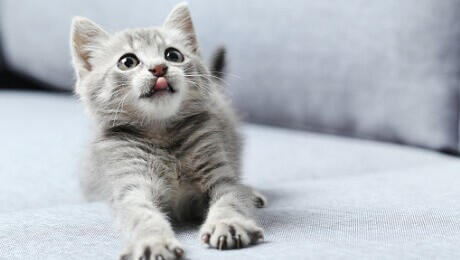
[[179, 252], [260, 236], [222, 243], [260, 202], [255, 237], [232, 230], [159, 257], [147, 253], [205, 238], [236, 242]]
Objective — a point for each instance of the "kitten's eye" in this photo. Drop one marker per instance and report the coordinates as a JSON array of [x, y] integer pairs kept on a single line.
[[127, 61], [173, 55]]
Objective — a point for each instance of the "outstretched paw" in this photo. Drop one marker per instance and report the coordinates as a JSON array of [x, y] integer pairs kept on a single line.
[[230, 233], [154, 248]]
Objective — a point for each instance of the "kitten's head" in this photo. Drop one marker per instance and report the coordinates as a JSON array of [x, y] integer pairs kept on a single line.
[[141, 74]]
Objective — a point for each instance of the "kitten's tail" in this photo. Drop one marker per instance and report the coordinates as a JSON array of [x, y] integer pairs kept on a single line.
[[219, 63]]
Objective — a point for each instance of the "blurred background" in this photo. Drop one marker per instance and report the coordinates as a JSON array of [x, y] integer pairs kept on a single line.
[[382, 69], [305, 76]]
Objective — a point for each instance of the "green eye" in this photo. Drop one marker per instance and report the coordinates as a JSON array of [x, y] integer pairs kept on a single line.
[[127, 61], [173, 55]]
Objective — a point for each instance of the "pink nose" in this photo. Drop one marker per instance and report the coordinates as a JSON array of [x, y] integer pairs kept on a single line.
[[159, 70]]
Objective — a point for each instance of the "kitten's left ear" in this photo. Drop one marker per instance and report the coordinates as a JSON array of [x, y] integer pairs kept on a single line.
[[86, 39], [181, 20]]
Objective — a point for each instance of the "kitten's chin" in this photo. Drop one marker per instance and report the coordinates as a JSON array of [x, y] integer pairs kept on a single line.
[[161, 107], [162, 99]]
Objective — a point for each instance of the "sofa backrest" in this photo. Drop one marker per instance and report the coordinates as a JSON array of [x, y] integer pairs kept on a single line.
[[386, 70]]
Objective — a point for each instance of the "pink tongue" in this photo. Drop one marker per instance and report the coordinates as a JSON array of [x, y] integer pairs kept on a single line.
[[161, 84]]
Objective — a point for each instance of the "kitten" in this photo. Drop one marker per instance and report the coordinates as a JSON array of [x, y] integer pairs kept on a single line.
[[166, 145]]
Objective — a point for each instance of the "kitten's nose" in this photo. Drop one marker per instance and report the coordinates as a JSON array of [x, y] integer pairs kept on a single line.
[[159, 70]]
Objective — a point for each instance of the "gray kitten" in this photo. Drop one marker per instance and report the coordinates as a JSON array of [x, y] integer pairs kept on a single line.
[[166, 146]]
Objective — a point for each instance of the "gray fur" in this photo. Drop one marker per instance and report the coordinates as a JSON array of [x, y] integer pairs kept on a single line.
[[169, 157]]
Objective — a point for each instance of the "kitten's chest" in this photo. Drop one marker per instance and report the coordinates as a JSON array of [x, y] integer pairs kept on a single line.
[[176, 160], [171, 165], [185, 198], [180, 171]]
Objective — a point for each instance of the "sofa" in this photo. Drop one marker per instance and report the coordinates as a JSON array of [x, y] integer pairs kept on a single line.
[[351, 121]]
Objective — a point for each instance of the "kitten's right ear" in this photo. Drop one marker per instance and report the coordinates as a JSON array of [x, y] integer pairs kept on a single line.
[[86, 38], [181, 20]]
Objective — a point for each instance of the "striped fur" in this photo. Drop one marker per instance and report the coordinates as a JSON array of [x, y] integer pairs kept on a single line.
[[173, 157]]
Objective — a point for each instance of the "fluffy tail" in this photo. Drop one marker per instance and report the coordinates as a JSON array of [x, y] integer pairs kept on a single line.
[[219, 63]]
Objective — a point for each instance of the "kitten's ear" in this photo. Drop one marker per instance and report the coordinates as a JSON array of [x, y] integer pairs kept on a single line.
[[86, 38], [181, 20]]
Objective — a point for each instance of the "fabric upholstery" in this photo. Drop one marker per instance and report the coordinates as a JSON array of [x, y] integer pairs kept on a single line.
[[329, 197]]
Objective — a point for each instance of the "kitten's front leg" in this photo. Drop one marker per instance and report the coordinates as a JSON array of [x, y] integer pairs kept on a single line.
[[135, 203], [230, 223]]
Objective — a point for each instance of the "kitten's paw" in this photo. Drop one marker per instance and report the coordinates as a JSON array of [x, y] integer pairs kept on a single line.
[[230, 233], [154, 248]]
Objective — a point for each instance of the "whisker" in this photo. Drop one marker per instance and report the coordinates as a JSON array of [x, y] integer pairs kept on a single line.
[[120, 106], [206, 75], [226, 74]]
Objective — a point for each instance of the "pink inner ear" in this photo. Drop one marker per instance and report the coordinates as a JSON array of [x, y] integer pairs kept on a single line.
[[161, 84]]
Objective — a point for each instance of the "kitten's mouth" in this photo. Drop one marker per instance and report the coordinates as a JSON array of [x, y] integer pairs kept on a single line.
[[161, 87]]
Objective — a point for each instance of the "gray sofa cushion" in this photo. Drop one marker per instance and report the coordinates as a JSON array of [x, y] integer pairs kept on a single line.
[[381, 69], [329, 197]]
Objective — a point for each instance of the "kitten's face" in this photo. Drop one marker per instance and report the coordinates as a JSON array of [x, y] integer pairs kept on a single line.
[[144, 72], [137, 75]]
